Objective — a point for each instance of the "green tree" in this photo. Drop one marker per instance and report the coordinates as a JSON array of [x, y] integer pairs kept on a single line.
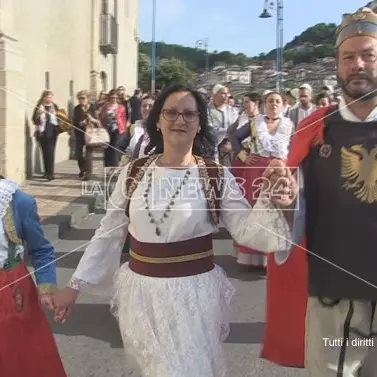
[[144, 72], [317, 39], [172, 72]]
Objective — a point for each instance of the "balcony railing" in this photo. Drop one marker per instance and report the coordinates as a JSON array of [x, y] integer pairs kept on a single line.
[[108, 34]]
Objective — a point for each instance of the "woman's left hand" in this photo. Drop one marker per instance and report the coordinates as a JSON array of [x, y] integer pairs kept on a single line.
[[250, 160]]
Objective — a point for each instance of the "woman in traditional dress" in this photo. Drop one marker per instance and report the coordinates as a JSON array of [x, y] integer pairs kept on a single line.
[[269, 136], [171, 300], [27, 345]]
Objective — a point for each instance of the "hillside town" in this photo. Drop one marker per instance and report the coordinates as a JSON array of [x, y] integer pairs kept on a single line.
[[263, 77]]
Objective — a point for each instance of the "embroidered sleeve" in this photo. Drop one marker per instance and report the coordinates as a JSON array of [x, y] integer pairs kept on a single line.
[[262, 227], [42, 253], [101, 259]]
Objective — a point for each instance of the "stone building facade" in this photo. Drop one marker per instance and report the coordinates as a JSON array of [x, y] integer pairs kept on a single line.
[[64, 46]]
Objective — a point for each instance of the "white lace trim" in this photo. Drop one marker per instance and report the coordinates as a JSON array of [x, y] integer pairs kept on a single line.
[[7, 189], [277, 145], [180, 323]]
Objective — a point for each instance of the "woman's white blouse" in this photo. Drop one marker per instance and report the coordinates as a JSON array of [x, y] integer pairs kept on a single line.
[[188, 218]]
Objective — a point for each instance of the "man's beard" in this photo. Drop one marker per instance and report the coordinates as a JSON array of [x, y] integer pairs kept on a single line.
[[365, 94]]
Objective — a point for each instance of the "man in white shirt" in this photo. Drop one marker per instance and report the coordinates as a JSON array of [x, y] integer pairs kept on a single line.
[[305, 107], [220, 117]]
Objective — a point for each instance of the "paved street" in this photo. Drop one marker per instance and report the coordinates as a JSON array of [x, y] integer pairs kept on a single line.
[[90, 343]]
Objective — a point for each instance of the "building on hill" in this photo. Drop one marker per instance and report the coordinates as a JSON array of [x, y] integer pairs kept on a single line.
[[259, 78], [64, 46]]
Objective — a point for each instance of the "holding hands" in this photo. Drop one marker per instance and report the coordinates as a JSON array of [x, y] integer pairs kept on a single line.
[[280, 184], [61, 303]]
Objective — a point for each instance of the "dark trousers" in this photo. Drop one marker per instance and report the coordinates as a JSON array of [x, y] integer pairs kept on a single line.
[[84, 160], [112, 155], [47, 142]]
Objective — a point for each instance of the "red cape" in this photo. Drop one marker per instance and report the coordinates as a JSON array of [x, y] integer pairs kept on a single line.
[[287, 294]]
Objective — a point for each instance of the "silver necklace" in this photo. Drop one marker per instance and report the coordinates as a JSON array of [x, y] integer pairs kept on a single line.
[[165, 215]]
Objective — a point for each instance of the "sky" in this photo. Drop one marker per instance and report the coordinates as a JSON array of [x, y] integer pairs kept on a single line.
[[235, 25]]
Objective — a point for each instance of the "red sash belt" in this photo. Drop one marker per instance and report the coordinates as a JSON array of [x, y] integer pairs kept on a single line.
[[173, 259]]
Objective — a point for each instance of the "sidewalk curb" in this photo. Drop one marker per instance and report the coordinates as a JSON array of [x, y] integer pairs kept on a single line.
[[55, 226]]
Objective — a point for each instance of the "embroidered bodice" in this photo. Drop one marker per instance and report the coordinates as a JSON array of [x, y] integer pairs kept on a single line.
[[7, 190], [268, 145]]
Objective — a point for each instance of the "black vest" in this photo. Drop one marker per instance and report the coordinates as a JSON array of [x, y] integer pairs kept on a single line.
[[341, 211]]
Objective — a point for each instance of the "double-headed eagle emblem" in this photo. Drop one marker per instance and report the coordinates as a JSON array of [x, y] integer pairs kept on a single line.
[[359, 168]]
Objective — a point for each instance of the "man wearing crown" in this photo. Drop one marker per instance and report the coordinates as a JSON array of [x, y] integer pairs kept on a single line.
[[321, 294]]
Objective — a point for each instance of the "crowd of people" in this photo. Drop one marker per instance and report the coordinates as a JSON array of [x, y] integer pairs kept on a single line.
[[300, 197], [112, 111]]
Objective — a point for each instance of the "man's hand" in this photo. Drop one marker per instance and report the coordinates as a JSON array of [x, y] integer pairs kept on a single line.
[[282, 186]]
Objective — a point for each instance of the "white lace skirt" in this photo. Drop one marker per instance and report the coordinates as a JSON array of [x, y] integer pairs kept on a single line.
[[174, 327]]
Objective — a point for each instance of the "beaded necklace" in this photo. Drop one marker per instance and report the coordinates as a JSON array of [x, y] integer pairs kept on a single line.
[[165, 215]]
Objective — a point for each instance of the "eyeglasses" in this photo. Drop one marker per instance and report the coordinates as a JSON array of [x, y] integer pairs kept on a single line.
[[172, 115], [82, 98]]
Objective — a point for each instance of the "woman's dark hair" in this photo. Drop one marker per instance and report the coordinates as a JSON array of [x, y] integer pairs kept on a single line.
[[44, 94], [146, 97], [321, 96], [204, 142], [254, 97], [112, 92]]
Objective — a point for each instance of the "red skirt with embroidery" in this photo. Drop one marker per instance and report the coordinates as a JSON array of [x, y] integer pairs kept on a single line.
[[27, 345], [250, 180]]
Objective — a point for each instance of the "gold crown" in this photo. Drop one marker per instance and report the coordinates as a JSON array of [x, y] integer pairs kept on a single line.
[[362, 22]]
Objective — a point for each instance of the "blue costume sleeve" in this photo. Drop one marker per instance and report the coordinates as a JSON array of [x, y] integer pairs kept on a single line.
[[29, 229]]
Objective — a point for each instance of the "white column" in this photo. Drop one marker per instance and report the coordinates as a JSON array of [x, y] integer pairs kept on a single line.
[[95, 83]]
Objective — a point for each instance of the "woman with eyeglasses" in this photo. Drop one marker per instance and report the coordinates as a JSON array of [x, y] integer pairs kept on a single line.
[[171, 300]]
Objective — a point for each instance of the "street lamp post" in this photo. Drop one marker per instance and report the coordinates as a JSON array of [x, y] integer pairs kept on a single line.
[[279, 37], [153, 62], [200, 44]]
